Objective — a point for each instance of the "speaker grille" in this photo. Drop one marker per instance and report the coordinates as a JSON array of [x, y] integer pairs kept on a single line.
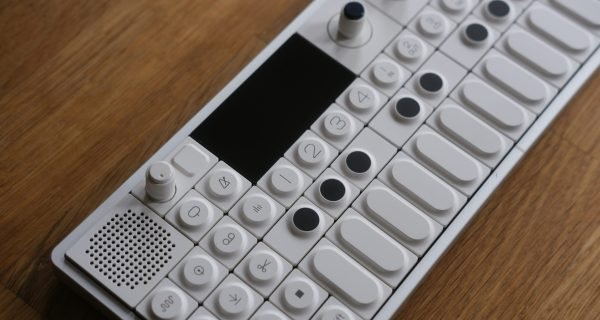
[[129, 251]]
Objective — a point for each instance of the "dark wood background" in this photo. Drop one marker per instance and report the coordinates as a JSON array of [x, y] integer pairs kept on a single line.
[[90, 89]]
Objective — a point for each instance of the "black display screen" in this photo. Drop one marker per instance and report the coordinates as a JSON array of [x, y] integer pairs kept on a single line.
[[258, 122]]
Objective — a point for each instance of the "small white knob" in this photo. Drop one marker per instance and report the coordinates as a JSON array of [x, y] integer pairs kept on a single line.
[[352, 19], [160, 181]]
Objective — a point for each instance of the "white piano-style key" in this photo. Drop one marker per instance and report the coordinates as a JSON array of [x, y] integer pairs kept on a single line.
[[493, 107], [467, 131], [399, 218], [298, 296], [372, 247], [401, 117], [361, 100], [516, 81], [551, 66], [344, 278], [422, 188], [568, 37], [446, 160], [166, 302], [585, 12], [233, 300]]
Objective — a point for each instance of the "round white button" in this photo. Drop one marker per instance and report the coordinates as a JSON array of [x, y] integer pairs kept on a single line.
[[385, 73], [337, 125], [233, 299], [298, 295], [257, 209], [311, 151], [284, 180], [194, 213], [362, 98], [409, 48], [335, 313], [167, 304], [454, 6], [227, 240], [432, 24], [223, 183], [198, 271], [263, 267]]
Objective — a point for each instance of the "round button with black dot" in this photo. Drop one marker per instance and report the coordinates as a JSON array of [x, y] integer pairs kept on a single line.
[[407, 108], [358, 162], [305, 220], [497, 10], [475, 34], [332, 190], [430, 83]]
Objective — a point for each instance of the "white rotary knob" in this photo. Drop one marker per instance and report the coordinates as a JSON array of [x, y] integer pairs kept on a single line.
[[160, 181], [352, 19]]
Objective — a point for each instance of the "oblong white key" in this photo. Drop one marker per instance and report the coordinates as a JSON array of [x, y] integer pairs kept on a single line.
[[441, 155], [370, 244], [588, 11], [477, 137], [336, 269], [493, 105], [559, 30], [423, 188], [512, 78], [402, 219], [528, 49]]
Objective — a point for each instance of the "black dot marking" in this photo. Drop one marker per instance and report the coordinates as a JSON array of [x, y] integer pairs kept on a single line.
[[431, 82], [408, 107], [499, 8], [358, 161], [476, 32], [332, 189], [354, 10], [306, 219]]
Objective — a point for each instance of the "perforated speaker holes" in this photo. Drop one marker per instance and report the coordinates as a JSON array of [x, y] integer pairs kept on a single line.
[[130, 249]]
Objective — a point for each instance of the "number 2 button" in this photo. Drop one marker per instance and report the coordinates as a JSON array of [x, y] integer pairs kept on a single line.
[[311, 154]]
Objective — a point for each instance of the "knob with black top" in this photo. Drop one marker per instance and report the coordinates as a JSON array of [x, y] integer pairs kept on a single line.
[[352, 19]]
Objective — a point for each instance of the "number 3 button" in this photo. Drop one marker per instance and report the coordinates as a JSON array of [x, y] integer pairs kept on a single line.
[[336, 126], [311, 154]]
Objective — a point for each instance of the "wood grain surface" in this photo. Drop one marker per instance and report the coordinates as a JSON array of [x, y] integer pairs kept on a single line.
[[90, 89]]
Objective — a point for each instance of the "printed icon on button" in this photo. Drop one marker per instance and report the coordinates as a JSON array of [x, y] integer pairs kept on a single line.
[[263, 267], [199, 270], [224, 183], [234, 299], [299, 293]]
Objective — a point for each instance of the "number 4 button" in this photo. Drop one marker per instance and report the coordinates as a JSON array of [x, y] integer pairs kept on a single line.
[[311, 154], [361, 100]]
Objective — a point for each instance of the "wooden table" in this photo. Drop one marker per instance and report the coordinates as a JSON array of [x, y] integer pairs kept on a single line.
[[90, 89]]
